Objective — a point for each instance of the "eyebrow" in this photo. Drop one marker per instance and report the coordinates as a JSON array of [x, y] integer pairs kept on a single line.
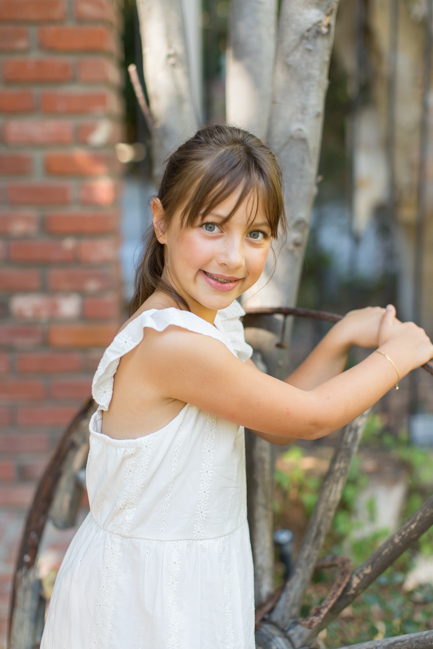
[[256, 225], [261, 224]]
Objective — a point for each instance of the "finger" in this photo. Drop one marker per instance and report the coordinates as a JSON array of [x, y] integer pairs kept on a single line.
[[389, 315], [386, 322]]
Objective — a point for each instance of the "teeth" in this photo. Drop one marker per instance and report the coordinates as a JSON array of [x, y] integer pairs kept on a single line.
[[218, 279]]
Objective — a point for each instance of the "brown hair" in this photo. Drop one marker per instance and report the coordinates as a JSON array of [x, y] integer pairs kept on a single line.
[[200, 175]]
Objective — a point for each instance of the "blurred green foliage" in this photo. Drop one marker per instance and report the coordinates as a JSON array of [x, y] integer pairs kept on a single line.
[[385, 609]]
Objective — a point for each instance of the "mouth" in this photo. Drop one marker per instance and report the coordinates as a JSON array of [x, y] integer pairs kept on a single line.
[[221, 282], [222, 279]]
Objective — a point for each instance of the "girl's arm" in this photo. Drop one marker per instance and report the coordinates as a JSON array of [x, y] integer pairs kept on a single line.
[[329, 357], [201, 371]]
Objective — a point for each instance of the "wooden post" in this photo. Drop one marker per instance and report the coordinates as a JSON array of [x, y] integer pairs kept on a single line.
[[290, 601]]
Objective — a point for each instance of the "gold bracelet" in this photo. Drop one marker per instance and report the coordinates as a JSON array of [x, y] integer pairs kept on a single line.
[[393, 364]]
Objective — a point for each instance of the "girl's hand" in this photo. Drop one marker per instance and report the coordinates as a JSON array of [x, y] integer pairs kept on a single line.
[[405, 341], [362, 326]]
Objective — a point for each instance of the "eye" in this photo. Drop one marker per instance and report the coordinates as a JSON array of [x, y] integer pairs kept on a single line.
[[210, 227], [258, 235]]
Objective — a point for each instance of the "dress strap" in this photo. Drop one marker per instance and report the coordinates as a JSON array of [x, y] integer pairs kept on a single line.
[[132, 335], [228, 321]]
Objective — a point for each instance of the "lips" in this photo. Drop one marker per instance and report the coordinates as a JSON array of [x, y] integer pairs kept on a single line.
[[221, 282], [222, 279]]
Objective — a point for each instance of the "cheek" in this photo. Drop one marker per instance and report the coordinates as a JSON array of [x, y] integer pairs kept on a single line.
[[193, 250], [257, 260]]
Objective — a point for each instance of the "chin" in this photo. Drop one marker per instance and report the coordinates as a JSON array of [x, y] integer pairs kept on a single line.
[[218, 302]]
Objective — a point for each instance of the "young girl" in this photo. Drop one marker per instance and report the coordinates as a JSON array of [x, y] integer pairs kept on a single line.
[[163, 560]]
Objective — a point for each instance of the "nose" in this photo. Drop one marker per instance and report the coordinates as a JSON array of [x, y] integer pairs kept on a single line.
[[232, 253]]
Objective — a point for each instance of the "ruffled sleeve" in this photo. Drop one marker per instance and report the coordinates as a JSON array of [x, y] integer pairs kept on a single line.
[[228, 321], [132, 335]]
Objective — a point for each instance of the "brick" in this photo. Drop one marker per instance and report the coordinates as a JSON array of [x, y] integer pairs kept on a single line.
[[36, 70], [45, 415], [38, 193], [19, 279], [98, 70], [42, 251], [24, 443], [4, 364], [71, 388], [37, 131], [16, 101], [79, 163], [32, 10], [32, 469], [17, 495], [5, 417], [81, 222], [7, 470], [101, 308], [2, 254], [80, 279], [49, 362], [16, 224], [4, 307], [98, 251], [98, 192], [100, 133], [20, 335], [80, 335], [66, 102], [76, 39], [14, 39], [15, 164], [100, 10], [45, 307], [22, 389]]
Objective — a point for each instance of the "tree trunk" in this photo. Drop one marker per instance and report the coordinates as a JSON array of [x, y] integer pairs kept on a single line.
[[166, 70], [250, 63], [305, 37], [259, 497]]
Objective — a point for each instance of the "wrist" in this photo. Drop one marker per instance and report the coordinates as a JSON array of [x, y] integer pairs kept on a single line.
[[389, 359], [340, 337], [398, 355]]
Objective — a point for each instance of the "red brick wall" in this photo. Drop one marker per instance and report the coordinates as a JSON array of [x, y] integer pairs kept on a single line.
[[60, 114]]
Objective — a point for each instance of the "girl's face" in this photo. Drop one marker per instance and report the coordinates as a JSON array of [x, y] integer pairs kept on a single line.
[[211, 263]]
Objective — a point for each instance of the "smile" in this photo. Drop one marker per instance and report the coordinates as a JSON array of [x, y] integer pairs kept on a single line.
[[221, 279]]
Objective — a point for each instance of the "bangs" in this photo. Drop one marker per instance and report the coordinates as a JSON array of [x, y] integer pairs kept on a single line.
[[225, 174]]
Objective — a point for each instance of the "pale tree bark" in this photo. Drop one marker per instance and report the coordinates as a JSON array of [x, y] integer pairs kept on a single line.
[[194, 44], [167, 74], [305, 37], [250, 63]]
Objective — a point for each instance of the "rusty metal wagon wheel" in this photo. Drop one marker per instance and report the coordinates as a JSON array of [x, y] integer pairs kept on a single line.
[[278, 622]]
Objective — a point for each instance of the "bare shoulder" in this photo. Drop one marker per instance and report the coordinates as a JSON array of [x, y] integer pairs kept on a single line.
[[176, 348]]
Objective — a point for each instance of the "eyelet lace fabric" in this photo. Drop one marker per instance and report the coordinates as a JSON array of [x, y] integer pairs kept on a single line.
[[207, 472], [163, 560]]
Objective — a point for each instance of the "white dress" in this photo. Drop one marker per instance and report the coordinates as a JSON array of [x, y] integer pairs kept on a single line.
[[163, 560]]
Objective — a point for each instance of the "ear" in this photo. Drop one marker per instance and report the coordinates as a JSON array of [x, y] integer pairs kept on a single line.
[[158, 217]]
